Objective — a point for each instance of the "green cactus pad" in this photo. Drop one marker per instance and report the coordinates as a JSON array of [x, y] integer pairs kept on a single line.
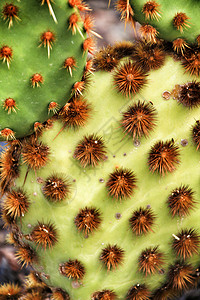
[[34, 42], [162, 15], [65, 244]]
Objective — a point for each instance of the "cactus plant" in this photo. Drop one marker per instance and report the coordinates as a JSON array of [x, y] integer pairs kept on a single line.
[[169, 20], [103, 201], [43, 54], [175, 22]]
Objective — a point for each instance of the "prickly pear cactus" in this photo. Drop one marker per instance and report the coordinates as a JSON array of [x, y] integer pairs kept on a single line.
[[43, 51], [170, 20], [105, 201]]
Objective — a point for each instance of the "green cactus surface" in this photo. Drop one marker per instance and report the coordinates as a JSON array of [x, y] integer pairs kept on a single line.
[[172, 20], [86, 183], [37, 38]]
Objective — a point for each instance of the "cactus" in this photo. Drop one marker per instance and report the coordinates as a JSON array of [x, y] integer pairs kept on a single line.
[[169, 20], [103, 201], [43, 54], [177, 23]]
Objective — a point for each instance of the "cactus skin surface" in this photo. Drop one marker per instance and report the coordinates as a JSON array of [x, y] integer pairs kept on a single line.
[[78, 261], [172, 20], [34, 47]]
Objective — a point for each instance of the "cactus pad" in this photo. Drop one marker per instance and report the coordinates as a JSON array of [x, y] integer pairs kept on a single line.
[[115, 233], [167, 20], [42, 56]]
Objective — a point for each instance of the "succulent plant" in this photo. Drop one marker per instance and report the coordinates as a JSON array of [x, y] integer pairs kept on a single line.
[[103, 201], [176, 23], [43, 53], [167, 20]]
